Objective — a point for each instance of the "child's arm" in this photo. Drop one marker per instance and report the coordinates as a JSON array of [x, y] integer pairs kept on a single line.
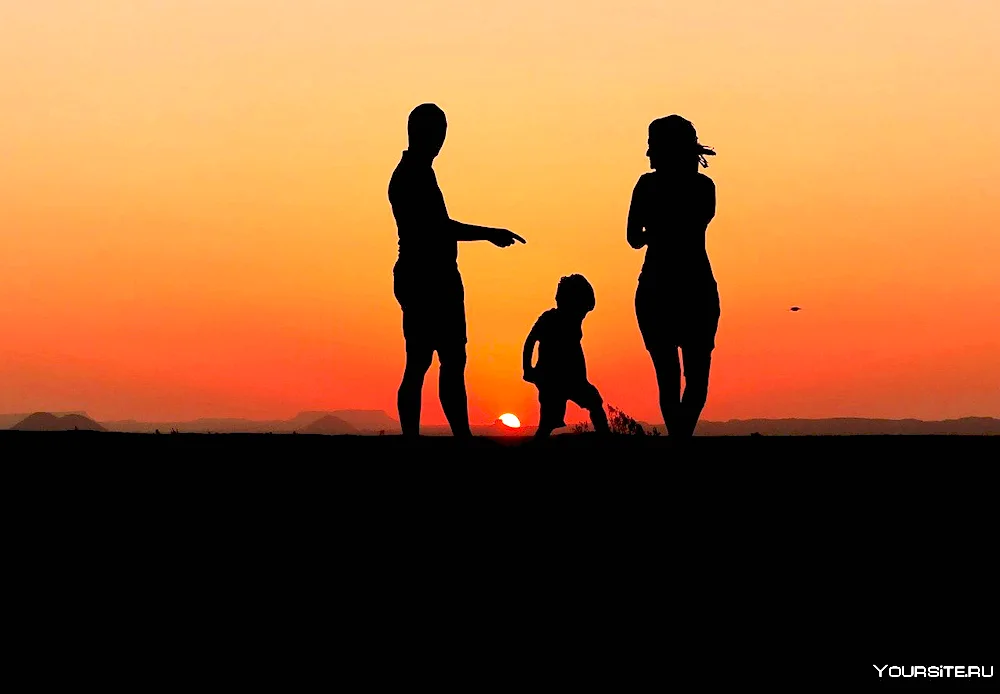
[[528, 353], [634, 231]]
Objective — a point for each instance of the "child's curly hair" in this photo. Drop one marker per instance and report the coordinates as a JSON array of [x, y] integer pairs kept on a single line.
[[574, 291]]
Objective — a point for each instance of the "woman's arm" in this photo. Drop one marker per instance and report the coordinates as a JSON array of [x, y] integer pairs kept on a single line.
[[635, 233], [708, 199]]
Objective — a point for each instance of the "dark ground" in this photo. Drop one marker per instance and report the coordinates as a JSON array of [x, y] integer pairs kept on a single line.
[[743, 547]]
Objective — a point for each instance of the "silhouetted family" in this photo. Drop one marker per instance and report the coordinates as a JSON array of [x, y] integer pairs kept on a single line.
[[676, 301]]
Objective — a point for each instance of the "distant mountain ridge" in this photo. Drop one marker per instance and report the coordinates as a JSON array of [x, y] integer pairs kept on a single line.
[[350, 422], [9, 420], [372, 422]]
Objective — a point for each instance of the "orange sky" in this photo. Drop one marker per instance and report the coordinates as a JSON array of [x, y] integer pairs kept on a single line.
[[193, 212]]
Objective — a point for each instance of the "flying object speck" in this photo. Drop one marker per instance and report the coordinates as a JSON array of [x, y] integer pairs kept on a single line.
[[795, 308]]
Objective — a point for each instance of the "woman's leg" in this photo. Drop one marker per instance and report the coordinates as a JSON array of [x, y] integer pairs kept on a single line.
[[668, 380], [649, 311], [696, 352], [697, 363]]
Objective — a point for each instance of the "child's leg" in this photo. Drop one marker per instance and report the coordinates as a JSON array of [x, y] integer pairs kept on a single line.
[[600, 419], [552, 410], [590, 399]]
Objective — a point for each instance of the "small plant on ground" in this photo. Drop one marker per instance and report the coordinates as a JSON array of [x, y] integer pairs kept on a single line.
[[619, 422]]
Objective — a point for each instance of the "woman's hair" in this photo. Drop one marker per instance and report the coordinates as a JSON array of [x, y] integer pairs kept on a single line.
[[677, 137], [574, 291]]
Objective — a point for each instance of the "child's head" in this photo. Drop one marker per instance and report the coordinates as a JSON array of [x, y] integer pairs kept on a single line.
[[575, 294]]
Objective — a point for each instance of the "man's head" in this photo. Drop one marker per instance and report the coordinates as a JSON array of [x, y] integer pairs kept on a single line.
[[426, 129], [575, 294]]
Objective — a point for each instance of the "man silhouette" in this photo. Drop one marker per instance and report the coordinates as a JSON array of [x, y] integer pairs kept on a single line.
[[426, 280]]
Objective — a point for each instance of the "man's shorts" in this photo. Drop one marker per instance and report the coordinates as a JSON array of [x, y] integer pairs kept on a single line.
[[433, 310]]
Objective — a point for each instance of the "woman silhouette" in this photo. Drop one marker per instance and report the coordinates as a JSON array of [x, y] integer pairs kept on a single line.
[[677, 300]]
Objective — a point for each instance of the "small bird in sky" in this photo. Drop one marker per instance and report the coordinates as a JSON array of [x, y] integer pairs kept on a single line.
[[795, 308]]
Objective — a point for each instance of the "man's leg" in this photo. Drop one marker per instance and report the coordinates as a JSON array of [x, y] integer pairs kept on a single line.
[[451, 388], [418, 360], [697, 363]]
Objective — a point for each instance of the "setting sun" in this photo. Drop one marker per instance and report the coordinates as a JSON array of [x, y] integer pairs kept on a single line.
[[510, 420]]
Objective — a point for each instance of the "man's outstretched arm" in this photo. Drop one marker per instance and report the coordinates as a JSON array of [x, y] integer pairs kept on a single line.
[[471, 232]]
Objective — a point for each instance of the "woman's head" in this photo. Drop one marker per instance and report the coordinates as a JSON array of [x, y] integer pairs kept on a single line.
[[575, 294], [673, 144]]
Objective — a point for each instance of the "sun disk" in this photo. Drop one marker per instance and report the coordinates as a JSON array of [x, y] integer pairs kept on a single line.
[[510, 420]]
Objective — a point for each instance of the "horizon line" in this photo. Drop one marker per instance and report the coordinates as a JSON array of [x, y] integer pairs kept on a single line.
[[84, 413]]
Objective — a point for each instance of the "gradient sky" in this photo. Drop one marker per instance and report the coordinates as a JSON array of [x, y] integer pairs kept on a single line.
[[194, 222]]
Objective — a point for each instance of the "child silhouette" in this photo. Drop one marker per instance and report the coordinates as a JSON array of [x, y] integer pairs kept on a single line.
[[561, 372]]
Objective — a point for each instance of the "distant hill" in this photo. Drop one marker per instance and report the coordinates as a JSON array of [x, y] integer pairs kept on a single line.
[[46, 421], [9, 420], [328, 424], [372, 421], [369, 420]]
